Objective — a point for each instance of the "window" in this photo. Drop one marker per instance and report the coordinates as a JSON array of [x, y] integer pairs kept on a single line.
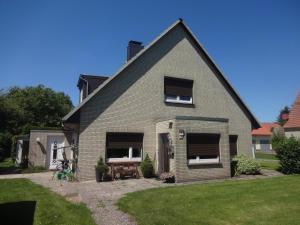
[[178, 90], [203, 148], [233, 144], [124, 147], [264, 142]]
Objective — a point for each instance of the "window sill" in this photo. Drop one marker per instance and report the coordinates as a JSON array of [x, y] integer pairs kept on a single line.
[[112, 160], [204, 163], [180, 104]]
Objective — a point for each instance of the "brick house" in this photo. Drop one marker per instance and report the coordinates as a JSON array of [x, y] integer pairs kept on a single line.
[[169, 101], [292, 126], [261, 137]]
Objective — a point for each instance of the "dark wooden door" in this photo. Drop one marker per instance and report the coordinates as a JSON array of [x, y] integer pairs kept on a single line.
[[164, 160]]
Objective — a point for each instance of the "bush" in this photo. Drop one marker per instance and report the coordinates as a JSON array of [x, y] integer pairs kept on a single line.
[[245, 165], [147, 167], [278, 138], [288, 152], [101, 169]]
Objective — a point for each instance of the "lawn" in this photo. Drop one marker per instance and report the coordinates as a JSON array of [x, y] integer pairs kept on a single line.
[[49, 208], [260, 155], [269, 164], [272, 201], [7, 166]]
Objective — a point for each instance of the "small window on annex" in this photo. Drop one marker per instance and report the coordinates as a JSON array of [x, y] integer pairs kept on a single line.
[[233, 145], [124, 147], [203, 148], [178, 90]]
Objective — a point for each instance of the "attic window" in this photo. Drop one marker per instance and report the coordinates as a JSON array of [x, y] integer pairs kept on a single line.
[[178, 90]]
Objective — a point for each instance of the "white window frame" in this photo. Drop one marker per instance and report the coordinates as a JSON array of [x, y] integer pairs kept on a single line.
[[198, 160], [127, 159], [170, 98], [81, 95]]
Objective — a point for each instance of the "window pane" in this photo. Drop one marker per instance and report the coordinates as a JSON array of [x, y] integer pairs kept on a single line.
[[264, 142], [185, 98], [118, 153], [171, 97], [203, 145], [136, 152], [176, 86]]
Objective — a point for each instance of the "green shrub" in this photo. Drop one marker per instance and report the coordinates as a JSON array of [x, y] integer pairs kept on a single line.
[[101, 167], [278, 138], [288, 152], [245, 165], [147, 167]]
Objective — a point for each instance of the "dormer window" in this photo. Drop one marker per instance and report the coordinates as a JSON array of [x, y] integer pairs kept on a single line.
[[178, 90]]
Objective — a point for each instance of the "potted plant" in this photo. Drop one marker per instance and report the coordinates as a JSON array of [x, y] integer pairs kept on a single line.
[[147, 167], [101, 170]]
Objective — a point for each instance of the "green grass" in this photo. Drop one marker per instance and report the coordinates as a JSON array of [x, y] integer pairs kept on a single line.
[[7, 166], [269, 165], [272, 201], [6, 163], [50, 207], [260, 155]]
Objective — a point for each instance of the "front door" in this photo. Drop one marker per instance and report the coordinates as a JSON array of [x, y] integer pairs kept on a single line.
[[164, 160], [55, 144]]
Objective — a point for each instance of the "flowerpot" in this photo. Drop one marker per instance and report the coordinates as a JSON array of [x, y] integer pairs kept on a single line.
[[98, 176]]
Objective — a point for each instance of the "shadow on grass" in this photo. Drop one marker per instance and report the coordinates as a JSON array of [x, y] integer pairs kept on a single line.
[[16, 213]]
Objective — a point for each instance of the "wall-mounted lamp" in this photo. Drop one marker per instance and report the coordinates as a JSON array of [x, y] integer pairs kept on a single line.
[[181, 134], [38, 139]]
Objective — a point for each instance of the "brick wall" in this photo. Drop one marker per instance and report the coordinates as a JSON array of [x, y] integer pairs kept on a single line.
[[134, 101]]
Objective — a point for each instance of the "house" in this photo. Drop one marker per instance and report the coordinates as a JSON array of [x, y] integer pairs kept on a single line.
[[261, 137], [170, 101], [44, 147], [292, 126]]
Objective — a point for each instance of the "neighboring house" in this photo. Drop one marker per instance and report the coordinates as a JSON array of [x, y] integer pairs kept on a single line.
[[169, 101], [292, 126], [261, 137], [43, 148]]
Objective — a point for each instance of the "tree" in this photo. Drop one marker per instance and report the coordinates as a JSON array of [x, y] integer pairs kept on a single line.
[[283, 115], [24, 108]]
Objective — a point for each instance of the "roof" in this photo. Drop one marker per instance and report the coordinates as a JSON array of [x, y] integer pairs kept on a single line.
[[254, 121], [265, 129], [92, 80], [294, 115]]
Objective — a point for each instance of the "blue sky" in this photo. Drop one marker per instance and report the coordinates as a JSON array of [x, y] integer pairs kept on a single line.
[[255, 43]]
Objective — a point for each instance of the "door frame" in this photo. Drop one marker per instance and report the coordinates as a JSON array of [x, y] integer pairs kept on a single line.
[[50, 139], [163, 153]]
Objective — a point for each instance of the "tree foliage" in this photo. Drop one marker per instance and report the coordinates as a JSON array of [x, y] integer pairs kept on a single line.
[[24, 108], [282, 119]]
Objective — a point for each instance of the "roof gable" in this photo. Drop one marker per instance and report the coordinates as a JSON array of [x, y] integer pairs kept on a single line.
[[294, 115], [217, 71], [265, 129]]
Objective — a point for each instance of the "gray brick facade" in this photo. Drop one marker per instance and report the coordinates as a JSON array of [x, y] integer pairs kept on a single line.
[[134, 102]]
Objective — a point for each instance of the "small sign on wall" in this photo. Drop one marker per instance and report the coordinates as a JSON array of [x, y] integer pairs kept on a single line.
[[181, 134]]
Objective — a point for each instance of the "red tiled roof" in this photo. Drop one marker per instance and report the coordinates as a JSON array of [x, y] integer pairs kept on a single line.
[[294, 115], [265, 129]]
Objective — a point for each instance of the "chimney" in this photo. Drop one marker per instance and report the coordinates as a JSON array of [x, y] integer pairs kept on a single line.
[[133, 48]]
